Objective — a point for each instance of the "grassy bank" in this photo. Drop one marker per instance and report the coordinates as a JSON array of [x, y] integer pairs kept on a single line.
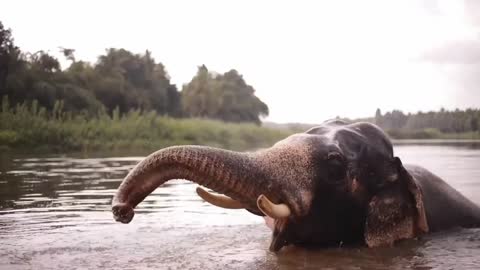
[[30, 128]]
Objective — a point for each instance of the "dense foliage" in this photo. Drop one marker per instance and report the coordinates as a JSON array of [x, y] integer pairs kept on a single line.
[[429, 124], [32, 127], [222, 96], [124, 80]]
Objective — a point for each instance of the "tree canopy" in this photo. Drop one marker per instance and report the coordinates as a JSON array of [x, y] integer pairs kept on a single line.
[[124, 80], [222, 96], [446, 121]]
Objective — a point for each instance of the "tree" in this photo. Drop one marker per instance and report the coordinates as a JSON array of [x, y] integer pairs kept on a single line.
[[378, 117], [8, 55], [43, 62], [226, 97], [130, 80], [198, 98], [238, 102], [68, 53], [474, 123]]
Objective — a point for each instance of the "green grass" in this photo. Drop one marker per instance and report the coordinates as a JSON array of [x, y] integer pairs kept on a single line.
[[30, 128]]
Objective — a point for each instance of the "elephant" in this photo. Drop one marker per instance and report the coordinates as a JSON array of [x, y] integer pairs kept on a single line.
[[338, 183]]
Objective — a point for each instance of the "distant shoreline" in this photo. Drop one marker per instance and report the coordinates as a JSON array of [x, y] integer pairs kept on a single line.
[[29, 128], [435, 141]]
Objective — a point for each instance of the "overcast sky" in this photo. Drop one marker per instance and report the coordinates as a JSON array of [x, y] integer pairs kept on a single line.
[[308, 60]]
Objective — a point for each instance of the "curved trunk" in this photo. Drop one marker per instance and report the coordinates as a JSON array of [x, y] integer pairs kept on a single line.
[[231, 173]]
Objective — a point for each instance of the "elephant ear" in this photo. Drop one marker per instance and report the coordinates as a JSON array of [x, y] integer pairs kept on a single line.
[[396, 212]]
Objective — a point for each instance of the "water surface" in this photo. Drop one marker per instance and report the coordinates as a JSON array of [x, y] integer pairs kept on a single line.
[[55, 214]]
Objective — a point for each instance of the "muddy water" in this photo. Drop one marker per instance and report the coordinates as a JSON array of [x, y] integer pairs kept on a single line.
[[54, 214]]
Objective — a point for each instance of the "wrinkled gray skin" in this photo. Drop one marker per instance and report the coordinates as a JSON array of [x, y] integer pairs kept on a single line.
[[341, 182]]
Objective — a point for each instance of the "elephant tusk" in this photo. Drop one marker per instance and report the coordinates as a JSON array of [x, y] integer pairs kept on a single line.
[[272, 210], [219, 200]]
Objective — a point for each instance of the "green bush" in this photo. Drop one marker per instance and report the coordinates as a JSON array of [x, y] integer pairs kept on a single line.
[[29, 127]]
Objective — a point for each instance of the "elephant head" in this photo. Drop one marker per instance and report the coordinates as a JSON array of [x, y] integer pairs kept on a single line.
[[336, 183]]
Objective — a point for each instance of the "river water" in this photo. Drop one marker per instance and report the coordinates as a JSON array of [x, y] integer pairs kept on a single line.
[[55, 214]]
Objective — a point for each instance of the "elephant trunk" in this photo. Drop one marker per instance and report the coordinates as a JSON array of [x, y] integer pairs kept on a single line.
[[231, 173]]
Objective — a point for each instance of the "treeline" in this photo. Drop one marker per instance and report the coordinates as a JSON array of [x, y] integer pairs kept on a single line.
[[124, 80], [443, 124], [445, 121]]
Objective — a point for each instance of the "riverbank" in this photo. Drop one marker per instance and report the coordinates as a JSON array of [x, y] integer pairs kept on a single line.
[[431, 134], [30, 128]]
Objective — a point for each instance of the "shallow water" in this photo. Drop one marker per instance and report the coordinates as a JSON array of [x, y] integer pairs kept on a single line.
[[55, 214]]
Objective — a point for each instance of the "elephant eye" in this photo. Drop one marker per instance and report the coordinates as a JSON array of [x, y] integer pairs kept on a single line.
[[336, 166]]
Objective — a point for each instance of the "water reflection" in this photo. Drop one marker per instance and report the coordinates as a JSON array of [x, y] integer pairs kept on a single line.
[[54, 214], [61, 183]]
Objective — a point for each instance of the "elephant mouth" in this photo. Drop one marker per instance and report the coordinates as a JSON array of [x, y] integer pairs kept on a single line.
[[264, 205], [276, 216], [270, 222]]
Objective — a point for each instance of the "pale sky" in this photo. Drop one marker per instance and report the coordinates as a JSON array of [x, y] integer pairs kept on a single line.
[[308, 60]]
